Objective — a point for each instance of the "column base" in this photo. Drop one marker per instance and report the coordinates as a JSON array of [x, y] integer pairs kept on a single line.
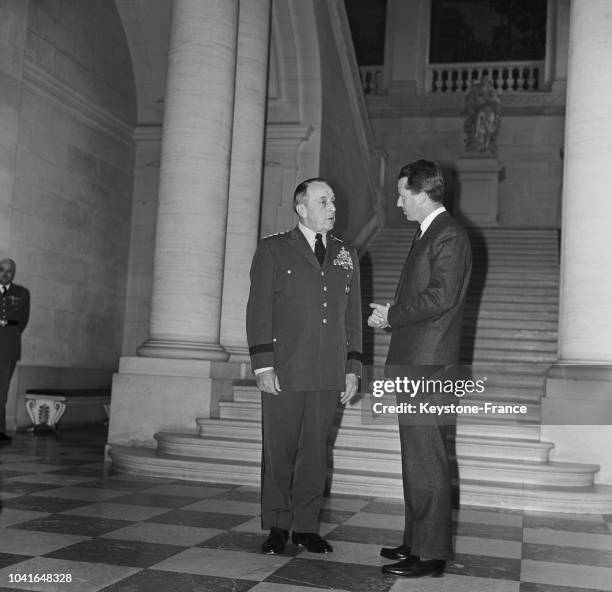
[[576, 414], [154, 394], [238, 354], [182, 349]]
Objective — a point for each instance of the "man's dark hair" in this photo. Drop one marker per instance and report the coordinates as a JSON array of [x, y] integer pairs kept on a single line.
[[424, 175], [300, 191]]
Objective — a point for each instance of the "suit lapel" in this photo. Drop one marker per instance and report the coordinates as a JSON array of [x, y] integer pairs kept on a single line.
[[438, 222]]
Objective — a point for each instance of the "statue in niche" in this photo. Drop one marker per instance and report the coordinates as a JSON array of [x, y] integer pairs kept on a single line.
[[483, 110]]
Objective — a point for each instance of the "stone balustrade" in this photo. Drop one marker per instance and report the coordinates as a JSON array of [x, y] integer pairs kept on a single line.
[[505, 76]]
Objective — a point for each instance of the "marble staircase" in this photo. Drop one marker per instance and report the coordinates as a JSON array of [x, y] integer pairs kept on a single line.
[[510, 338]]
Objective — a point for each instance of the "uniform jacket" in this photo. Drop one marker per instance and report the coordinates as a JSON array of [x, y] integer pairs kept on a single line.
[[303, 319], [426, 319], [14, 315]]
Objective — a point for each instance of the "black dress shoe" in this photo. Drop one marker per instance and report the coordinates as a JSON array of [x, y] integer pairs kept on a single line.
[[312, 542], [396, 553], [4, 439], [275, 543], [417, 568]]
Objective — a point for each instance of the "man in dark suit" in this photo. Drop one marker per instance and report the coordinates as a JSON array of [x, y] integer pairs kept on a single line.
[[304, 335], [14, 315], [425, 324]]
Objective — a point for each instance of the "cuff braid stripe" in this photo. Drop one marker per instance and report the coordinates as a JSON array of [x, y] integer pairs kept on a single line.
[[261, 349]]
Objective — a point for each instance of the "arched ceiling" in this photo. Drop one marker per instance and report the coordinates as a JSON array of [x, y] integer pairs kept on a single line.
[[147, 29]]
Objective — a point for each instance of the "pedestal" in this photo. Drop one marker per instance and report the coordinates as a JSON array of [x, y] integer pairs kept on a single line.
[[157, 394], [478, 199], [576, 414]]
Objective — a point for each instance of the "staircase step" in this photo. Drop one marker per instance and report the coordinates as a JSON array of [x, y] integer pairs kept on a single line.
[[528, 318], [227, 428], [498, 334], [505, 333], [522, 345], [493, 323], [526, 431], [246, 410], [511, 355], [468, 356], [368, 438], [146, 461], [246, 393], [497, 466], [529, 451], [596, 499], [492, 308], [205, 446], [390, 263], [552, 473], [477, 431]]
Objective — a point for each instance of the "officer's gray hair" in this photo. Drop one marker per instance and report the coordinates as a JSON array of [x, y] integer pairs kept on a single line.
[[299, 195]]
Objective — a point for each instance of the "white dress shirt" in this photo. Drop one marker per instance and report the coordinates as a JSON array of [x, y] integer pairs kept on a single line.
[[311, 234], [430, 218]]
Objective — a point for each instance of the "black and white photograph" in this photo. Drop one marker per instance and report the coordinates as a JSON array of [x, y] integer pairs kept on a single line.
[[305, 296]]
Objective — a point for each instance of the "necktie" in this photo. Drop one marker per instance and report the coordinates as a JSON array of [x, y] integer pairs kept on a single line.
[[417, 236], [319, 249]]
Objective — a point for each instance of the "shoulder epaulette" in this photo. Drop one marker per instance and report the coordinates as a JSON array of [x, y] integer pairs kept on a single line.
[[276, 234]]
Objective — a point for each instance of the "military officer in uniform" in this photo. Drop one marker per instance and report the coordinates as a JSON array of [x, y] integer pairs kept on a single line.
[[14, 315], [304, 335]]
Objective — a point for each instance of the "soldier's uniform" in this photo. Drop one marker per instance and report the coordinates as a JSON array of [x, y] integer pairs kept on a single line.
[[14, 315], [304, 320]]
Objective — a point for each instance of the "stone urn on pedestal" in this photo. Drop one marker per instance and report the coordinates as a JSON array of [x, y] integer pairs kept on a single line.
[[478, 169]]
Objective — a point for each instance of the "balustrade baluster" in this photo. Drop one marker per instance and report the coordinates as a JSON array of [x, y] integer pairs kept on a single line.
[[528, 82], [459, 78], [454, 76], [505, 77]]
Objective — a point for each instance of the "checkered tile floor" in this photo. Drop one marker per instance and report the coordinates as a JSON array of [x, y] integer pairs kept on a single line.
[[66, 515]]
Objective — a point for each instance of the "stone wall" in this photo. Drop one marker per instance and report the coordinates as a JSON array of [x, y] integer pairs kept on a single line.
[[69, 109], [13, 25], [529, 150]]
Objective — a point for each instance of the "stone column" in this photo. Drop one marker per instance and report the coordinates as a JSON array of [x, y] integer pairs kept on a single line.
[[194, 180], [585, 319], [577, 408], [181, 373], [246, 172]]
